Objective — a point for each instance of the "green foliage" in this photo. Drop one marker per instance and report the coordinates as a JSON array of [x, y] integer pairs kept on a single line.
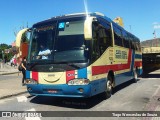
[[25, 38], [6, 56]]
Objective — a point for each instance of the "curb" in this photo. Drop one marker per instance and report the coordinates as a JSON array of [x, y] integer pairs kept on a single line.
[[9, 73], [16, 94]]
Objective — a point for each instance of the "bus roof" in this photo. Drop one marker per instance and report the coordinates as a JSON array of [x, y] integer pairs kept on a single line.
[[96, 14], [74, 15]]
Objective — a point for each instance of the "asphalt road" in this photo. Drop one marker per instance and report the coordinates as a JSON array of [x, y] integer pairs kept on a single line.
[[141, 96]]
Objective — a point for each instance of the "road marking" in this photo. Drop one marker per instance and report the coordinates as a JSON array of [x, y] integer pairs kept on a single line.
[[22, 99], [156, 92], [5, 100], [157, 109], [32, 118], [31, 109]]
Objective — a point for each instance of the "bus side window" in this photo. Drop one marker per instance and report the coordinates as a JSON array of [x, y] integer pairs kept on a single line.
[[136, 44], [107, 38], [126, 40], [95, 50], [132, 45], [95, 44], [34, 49], [139, 46], [103, 34], [118, 36], [129, 40]]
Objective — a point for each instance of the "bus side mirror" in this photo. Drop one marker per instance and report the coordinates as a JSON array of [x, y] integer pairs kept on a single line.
[[19, 37], [88, 28]]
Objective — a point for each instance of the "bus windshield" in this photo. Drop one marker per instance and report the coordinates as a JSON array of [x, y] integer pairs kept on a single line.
[[59, 42]]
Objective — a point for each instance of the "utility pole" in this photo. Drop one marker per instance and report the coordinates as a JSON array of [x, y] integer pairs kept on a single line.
[[154, 33], [155, 37]]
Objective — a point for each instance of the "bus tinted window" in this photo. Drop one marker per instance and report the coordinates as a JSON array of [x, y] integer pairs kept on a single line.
[[95, 44], [118, 36], [139, 47], [41, 37], [126, 40], [132, 46], [71, 28], [102, 33], [108, 38], [71, 36]]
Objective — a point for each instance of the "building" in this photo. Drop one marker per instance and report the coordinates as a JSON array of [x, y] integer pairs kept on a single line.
[[150, 55], [151, 43]]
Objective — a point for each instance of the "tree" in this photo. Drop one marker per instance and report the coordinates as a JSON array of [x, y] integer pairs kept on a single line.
[[25, 38], [2, 48]]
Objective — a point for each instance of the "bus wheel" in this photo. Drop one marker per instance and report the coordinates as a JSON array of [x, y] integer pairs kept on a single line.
[[109, 88], [135, 75]]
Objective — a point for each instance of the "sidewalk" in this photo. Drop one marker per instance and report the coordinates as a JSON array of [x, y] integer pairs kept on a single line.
[[10, 87], [6, 69]]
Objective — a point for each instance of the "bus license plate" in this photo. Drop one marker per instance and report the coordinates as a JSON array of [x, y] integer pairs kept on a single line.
[[52, 91]]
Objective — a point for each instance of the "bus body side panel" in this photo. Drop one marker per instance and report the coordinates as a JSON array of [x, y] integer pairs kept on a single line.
[[122, 77], [135, 62], [98, 84], [123, 69], [120, 67]]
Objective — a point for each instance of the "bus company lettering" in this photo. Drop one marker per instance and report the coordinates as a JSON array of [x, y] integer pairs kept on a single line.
[[70, 74], [51, 75], [121, 54], [124, 55], [110, 52]]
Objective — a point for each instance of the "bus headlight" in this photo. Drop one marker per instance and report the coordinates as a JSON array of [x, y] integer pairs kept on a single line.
[[78, 82], [31, 81]]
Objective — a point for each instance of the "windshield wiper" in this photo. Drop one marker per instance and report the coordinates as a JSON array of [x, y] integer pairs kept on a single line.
[[73, 65], [32, 65], [69, 64]]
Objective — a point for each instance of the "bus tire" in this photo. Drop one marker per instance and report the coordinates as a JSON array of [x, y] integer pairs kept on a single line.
[[135, 79], [109, 88]]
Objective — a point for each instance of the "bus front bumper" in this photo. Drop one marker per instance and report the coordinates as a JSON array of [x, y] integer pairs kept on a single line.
[[63, 90]]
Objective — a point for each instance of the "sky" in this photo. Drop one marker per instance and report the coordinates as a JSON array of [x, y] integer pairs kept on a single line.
[[140, 17]]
